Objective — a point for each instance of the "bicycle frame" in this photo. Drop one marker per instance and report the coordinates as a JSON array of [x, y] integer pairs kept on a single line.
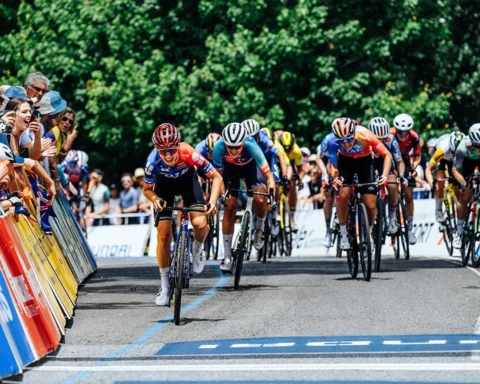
[[183, 228]]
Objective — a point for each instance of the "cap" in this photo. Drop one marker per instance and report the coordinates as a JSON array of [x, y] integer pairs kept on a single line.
[[51, 103], [17, 93], [139, 172], [305, 151], [312, 158]]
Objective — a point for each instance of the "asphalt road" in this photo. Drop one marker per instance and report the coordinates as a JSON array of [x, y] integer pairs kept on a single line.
[[293, 320]]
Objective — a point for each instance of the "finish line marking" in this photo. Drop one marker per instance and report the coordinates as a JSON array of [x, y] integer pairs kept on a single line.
[[267, 367]]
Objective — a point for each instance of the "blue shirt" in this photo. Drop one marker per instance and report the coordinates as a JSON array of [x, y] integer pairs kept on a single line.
[[251, 151], [266, 144]]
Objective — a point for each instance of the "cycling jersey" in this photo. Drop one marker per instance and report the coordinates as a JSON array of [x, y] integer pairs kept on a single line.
[[465, 150], [266, 144], [75, 172], [202, 149], [392, 145], [187, 158], [295, 155], [365, 143], [442, 152], [322, 149], [251, 151], [411, 143]]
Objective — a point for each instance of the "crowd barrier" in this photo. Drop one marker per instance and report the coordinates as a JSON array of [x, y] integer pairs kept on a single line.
[[39, 279]]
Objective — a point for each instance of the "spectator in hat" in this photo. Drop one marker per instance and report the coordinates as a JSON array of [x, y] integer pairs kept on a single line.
[[17, 93], [128, 197], [50, 106], [143, 203], [36, 85], [100, 199], [115, 205]]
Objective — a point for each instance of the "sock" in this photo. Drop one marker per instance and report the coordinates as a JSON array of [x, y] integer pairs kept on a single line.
[[260, 223], [196, 247], [460, 224], [410, 222], [227, 242], [164, 277], [392, 210], [343, 229], [328, 222], [438, 203]]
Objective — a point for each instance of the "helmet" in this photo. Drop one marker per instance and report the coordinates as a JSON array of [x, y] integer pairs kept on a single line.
[[166, 136], [343, 127], [305, 151], [210, 141], [474, 134], [251, 126], [454, 139], [268, 132], [6, 153], [234, 134], [432, 142], [287, 140], [72, 156], [82, 157], [403, 122], [379, 126]]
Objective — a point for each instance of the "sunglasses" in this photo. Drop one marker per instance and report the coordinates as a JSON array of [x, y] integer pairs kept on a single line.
[[403, 133], [39, 90], [166, 151], [64, 118], [126, 181], [234, 147], [346, 140]]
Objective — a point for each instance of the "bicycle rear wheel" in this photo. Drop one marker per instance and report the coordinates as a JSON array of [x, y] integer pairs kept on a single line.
[[404, 230], [266, 239], [378, 233], [352, 254], [182, 255], [216, 235], [208, 244], [287, 228], [365, 246], [241, 249]]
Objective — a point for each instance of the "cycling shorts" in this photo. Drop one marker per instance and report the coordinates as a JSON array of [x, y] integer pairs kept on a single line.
[[443, 166], [233, 174], [408, 168], [363, 168], [378, 164], [186, 186]]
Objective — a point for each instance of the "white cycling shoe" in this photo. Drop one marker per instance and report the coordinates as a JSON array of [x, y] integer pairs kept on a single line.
[[392, 227], [198, 263], [258, 242], [411, 237], [345, 243], [162, 297], [439, 216], [328, 239], [457, 241]]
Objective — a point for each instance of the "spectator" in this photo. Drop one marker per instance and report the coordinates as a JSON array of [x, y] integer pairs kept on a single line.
[[50, 106], [100, 196], [36, 85], [115, 205], [143, 203], [314, 186], [129, 197]]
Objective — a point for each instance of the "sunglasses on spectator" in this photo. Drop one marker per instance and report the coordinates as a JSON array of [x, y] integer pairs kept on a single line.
[[64, 118], [126, 181], [39, 90], [345, 140], [234, 147]]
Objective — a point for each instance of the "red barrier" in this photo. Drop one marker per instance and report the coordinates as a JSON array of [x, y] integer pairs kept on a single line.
[[30, 300]]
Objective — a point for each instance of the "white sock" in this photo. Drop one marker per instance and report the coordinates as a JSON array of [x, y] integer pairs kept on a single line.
[[227, 242], [438, 203], [343, 229], [460, 224], [410, 222], [197, 247], [260, 223], [164, 277]]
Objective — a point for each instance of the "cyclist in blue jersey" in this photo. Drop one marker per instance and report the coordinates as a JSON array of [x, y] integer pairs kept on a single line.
[[381, 128], [239, 156], [205, 147]]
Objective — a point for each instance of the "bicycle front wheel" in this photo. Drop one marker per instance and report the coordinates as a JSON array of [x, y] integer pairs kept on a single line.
[[182, 255], [378, 233], [352, 254], [475, 244], [365, 245], [241, 248], [405, 243], [287, 228], [266, 239]]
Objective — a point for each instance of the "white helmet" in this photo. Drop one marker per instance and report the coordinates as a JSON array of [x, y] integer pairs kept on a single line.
[[72, 156], [454, 139], [82, 157], [431, 143], [474, 134], [403, 122], [234, 134], [6, 153], [379, 127], [251, 126], [305, 151]]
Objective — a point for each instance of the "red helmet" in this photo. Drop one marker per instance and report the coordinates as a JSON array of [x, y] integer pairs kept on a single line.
[[166, 136]]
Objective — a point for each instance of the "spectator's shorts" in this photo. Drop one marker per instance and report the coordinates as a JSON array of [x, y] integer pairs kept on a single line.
[[234, 173], [186, 186], [363, 167]]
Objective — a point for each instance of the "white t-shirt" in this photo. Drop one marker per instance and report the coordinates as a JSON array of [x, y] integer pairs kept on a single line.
[[100, 195]]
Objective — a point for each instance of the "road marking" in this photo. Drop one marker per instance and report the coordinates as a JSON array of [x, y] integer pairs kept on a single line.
[[429, 342], [208, 346], [267, 367], [245, 345], [278, 345]]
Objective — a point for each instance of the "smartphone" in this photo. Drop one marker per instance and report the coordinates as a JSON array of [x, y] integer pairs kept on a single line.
[[35, 115]]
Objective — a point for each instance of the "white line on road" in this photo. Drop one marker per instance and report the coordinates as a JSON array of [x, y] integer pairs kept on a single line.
[[266, 367]]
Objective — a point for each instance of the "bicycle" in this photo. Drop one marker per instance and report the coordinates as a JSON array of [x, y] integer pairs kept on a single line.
[[212, 242], [379, 231], [401, 237], [286, 223], [358, 232], [243, 241], [181, 270], [266, 251], [470, 236], [449, 226]]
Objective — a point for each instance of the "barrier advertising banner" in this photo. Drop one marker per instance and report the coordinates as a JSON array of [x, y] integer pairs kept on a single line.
[[119, 240]]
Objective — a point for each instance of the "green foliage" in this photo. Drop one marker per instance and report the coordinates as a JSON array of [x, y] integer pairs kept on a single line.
[[128, 65]]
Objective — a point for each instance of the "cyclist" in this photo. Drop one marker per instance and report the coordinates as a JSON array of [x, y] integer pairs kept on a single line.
[[467, 157], [324, 157], [381, 129], [440, 163], [409, 142], [239, 156], [76, 172], [170, 171], [351, 153], [205, 147]]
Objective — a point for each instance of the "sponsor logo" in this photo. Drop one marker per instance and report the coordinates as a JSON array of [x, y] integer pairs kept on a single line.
[[5, 312]]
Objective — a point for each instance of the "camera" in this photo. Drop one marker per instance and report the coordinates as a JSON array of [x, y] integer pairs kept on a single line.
[[5, 127]]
